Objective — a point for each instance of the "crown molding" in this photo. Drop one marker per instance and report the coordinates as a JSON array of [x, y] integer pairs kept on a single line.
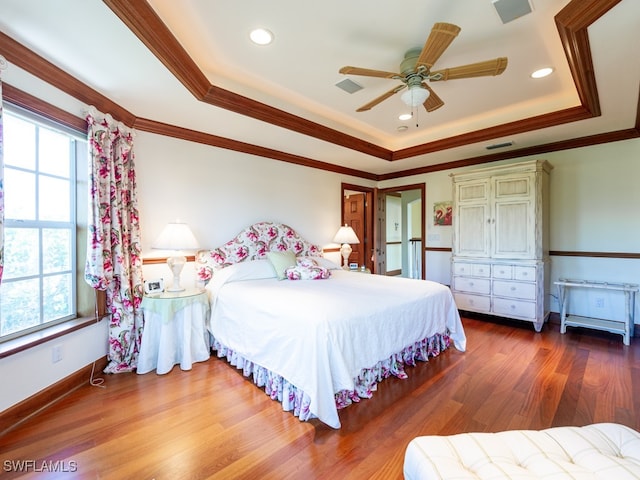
[[572, 23]]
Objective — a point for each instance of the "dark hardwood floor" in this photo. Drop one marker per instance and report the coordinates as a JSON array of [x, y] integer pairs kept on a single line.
[[211, 422]]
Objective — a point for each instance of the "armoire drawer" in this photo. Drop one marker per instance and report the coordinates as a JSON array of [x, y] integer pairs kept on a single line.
[[474, 269], [472, 285], [474, 303], [481, 270], [503, 271], [516, 308], [524, 273], [525, 291]]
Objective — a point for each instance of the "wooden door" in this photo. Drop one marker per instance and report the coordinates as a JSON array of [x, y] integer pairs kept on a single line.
[[354, 216], [361, 217]]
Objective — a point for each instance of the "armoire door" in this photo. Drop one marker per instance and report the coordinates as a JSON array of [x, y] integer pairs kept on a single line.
[[473, 219], [513, 217]]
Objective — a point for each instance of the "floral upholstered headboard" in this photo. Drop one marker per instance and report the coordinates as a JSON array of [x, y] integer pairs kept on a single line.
[[251, 244]]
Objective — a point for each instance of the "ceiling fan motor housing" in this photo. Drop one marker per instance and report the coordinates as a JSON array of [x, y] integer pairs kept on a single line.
[[408, 65]]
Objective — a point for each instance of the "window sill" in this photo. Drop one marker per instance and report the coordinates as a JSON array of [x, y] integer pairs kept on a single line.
[[16, 345]]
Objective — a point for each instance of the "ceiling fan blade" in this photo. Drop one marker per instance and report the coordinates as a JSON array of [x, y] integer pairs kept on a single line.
[[433, 101], [441, 36], [480, 69], [368, 72], [380, 99]]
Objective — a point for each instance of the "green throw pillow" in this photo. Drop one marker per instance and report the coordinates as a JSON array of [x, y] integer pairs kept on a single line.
[[281, 261]]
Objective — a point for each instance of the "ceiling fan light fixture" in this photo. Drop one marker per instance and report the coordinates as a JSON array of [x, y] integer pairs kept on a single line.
[[415, 95], [261, 36], [405, 116]]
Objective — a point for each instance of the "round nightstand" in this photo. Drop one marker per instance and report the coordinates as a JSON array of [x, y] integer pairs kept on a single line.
[[174, 331]]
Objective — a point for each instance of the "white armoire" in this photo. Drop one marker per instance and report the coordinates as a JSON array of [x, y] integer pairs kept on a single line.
[[500, 260]]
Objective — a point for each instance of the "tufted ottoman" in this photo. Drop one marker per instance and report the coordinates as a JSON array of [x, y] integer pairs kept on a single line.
[[605, 451]]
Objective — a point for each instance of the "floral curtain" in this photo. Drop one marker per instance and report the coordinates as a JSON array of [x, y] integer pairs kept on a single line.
[[3, 65], [113, 250]]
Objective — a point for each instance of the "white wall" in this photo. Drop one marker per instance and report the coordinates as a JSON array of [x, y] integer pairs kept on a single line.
[[594, 202], [219, 192], [30, 371], [595, 207]]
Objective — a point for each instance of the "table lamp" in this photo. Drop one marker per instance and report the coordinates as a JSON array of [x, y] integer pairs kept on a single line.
[[176, 236], [346, 236]]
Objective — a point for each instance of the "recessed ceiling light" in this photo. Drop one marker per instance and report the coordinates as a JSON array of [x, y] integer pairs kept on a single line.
[[543, 72], [405, 116], [261, 36]]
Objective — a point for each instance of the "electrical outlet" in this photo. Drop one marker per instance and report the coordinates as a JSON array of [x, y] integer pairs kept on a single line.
[[56, 354], [599, 303]]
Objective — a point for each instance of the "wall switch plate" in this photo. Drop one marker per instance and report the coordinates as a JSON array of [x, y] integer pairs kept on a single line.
[[599, 303]]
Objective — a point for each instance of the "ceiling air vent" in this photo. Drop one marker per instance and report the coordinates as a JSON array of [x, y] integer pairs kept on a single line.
[[499, 145], [349, 86], [509, 10]]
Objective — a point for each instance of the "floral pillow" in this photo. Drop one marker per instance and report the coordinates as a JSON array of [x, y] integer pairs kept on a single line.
[[307, 269]]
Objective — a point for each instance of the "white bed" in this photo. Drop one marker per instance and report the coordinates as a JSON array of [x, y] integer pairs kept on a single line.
[[318, 345]]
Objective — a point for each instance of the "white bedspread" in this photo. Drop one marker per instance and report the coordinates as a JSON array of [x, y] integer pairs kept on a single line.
[[319, 334]]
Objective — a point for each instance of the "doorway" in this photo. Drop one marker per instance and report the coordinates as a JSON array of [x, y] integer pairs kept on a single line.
[[399, 232], [401, 215]]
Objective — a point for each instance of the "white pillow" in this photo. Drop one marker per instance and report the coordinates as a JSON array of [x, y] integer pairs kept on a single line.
[[247, 270], [325, 262]]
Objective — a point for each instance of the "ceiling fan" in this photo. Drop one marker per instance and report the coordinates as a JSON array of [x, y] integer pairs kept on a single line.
[[415, 70]]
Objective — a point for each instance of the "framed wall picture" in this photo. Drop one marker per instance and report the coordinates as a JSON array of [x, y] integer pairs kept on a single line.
[[442, 213], [153, 286]]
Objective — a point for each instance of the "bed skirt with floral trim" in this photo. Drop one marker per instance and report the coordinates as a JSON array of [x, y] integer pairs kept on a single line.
[[297, 401]]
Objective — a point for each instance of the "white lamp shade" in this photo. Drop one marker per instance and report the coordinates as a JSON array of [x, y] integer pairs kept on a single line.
[[415, 95], [176, 236], [346, 235]]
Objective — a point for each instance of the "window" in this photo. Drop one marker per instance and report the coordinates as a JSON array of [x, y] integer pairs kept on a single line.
[[39, 283]]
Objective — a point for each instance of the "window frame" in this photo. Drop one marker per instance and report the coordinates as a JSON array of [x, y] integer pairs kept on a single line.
[[39, 224], [96, 309]]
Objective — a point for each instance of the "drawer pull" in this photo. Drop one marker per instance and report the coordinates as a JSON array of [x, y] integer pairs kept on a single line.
[[471, 284], [524, 274], [501, 272], [513, 289], [513, 307]]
